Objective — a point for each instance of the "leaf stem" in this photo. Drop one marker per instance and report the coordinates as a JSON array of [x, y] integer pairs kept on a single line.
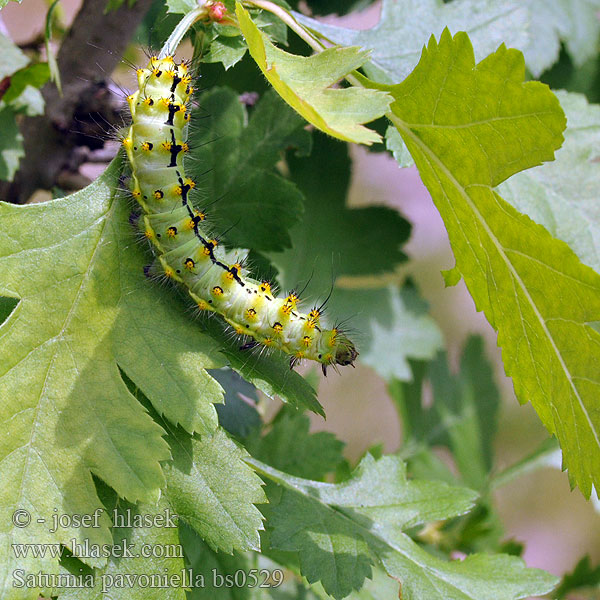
[[289, 20], [545, 455], [182, 28]]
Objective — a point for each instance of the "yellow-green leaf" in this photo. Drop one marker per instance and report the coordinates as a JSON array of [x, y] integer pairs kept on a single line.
[[305, 83], [469, 127]]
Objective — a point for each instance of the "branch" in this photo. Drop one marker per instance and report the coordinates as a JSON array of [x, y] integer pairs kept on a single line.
[[88, 55]]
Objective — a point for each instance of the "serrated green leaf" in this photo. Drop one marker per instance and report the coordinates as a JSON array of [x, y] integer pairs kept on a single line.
[[224, 43], [86, 308], [405, 26], [339, 530], [305, 84], [234, 164], [574, 22], [131, 315], [209, 487], [330, 551], [563, 195], [470, 127], [213, 490], [238, 415], [213, 567], [127, 577], [381, 494], [391, 325], [380, 587], [582, 576], [11, 144], [394, 326], [273, 377], [289, 447], [330, 232], [477, 577], [226, 50]]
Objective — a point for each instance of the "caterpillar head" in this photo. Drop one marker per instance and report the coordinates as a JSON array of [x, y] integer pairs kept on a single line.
[[345, 351]]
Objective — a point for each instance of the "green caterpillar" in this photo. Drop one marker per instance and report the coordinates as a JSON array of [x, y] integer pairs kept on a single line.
[[156, 144]]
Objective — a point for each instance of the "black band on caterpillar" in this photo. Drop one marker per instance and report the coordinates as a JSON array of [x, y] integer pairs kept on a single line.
[[155, 145]]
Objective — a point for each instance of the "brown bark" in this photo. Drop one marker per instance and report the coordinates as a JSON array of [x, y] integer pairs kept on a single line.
[[88, 55]]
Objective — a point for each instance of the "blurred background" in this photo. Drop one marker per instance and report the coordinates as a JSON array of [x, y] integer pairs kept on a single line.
[[556, 524]]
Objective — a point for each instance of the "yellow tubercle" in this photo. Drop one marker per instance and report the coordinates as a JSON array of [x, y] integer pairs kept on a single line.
[[131, 102], [290, 304], [142, 74], [332, 338]]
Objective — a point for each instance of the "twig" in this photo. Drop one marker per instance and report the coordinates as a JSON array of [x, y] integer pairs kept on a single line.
[[289, 20], [89, 53]]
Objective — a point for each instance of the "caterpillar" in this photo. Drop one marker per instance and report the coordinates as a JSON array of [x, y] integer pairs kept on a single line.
[[156, 144]]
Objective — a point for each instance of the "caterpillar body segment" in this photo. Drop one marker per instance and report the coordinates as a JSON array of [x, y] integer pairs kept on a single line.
[[156, 143]]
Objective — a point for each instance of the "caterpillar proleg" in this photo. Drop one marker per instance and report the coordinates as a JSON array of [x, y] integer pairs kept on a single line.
[[156, 143]]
